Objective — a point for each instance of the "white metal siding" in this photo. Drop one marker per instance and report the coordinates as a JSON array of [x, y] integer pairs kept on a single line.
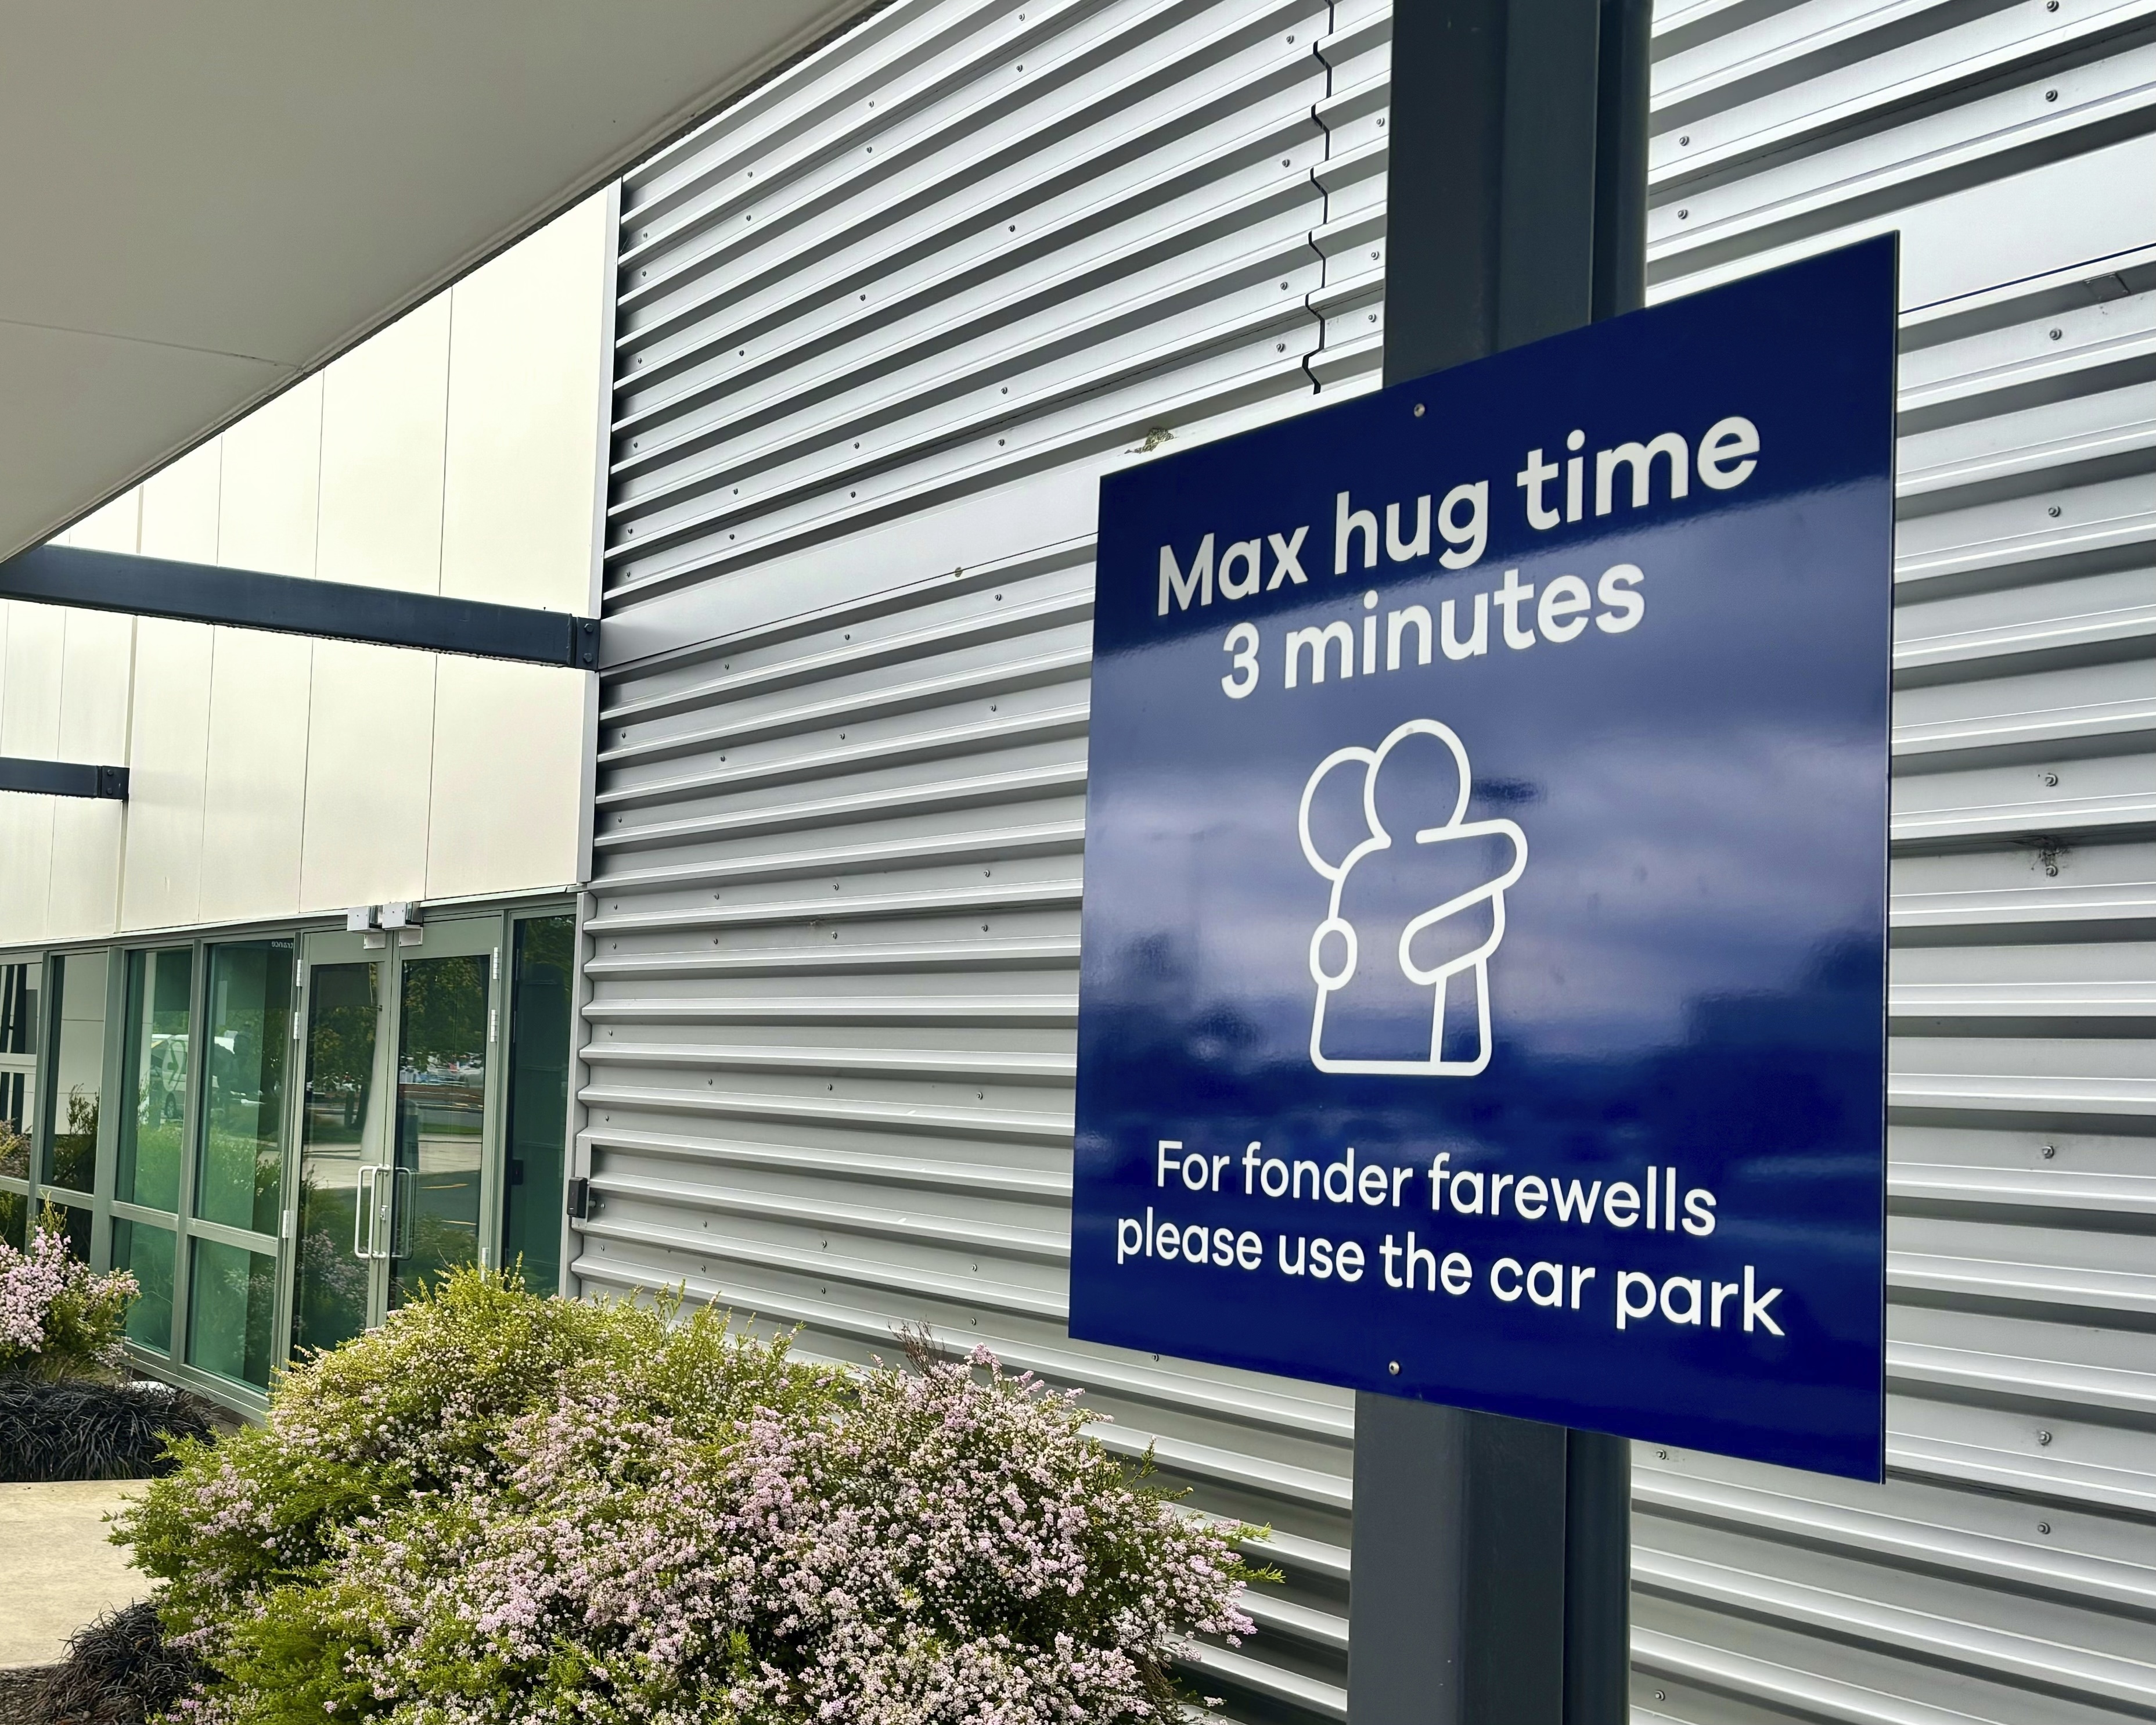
[[880, 328], [2007, 1571]]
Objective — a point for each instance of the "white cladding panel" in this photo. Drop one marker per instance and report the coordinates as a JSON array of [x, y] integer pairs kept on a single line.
[[454, 452], [882, 324]]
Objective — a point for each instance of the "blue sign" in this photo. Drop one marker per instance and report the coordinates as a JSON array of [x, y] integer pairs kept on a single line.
[[1483, 989]]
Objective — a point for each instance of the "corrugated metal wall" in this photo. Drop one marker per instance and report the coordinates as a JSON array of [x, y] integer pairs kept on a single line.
[[881, 328], [883, 324], [2007, 1572]]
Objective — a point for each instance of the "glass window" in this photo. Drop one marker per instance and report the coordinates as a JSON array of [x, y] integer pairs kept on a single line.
[[18, 1008], [19, 1065], [160, 1011], [250, 1035], [147, 1250], [74, 1226], [78, 1071], [14, 1111], [232, 1303], [538, 1099]]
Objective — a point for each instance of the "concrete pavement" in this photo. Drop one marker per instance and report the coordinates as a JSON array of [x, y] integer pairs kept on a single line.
[[57, 1569]]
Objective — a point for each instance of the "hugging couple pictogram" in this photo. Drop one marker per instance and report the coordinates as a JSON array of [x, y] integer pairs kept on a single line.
[[1401, 960]]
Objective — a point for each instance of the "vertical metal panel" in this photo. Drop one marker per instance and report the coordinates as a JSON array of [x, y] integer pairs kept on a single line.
[[880, 326]]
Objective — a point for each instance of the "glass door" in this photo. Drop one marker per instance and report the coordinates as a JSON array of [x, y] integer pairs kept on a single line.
[[397, 1134], [447, 1020], [343, 1138]]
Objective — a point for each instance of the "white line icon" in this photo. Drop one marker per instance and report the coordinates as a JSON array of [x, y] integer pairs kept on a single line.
[[1427, 761]]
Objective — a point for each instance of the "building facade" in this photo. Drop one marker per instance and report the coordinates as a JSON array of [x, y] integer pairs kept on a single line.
[[275, 1119], [869, 338]]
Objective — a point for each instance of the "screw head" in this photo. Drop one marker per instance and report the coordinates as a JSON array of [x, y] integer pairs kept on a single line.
[[2050, 95], [2051, 778], [1685, 139], [2057, 334], [1684, 215], [1393, 1367], [1418, 410], [2043, 1527], [2053, 511], [2048, 1151], [2043, 1437]]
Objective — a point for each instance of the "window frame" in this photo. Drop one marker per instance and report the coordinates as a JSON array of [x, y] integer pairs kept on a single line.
[[105, 1209]]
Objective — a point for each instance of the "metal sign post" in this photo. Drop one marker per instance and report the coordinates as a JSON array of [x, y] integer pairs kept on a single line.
[[1492, 1557]]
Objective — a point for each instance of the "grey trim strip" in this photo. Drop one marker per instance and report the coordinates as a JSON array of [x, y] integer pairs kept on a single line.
[[63, 778], [286, 605]]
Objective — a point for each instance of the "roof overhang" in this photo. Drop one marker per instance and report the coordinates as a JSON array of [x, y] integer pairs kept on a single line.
[[201, 203]]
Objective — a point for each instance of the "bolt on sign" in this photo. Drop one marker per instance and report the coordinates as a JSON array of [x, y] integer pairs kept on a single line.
[[1483, 988]]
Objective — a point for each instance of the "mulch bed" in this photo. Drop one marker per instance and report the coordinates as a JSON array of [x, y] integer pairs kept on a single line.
[[23, 1693], [119, 1671]]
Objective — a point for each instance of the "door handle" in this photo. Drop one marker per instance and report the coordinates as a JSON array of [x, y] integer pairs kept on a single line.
[[373, 1198], [362, 1212]]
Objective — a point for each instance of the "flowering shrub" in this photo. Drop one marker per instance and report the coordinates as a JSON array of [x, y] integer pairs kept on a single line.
[[503, 1508], [58, 1319]]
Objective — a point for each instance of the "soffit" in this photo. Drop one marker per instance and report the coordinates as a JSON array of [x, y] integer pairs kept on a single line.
[[200, 203]]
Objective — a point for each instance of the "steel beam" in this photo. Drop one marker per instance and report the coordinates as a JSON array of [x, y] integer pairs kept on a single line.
[[1492, 1557], [286, 605], [63, 778]]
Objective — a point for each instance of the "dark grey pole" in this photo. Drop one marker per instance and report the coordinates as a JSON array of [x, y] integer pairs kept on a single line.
[[1492, 1556]]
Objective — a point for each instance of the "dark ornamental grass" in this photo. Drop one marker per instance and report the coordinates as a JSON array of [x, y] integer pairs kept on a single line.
[[79, 1429]]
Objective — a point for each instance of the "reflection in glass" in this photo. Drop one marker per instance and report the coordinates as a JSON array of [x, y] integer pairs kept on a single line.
[[441, 1105], [15, 1219], [14, 1138], [249, 1019], [18, 1008], [78, 1071], [232, 1302], [338, 1122], [147, 1250], [19, 1053], [160, 991], [538, 1100], [74, 1220]]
